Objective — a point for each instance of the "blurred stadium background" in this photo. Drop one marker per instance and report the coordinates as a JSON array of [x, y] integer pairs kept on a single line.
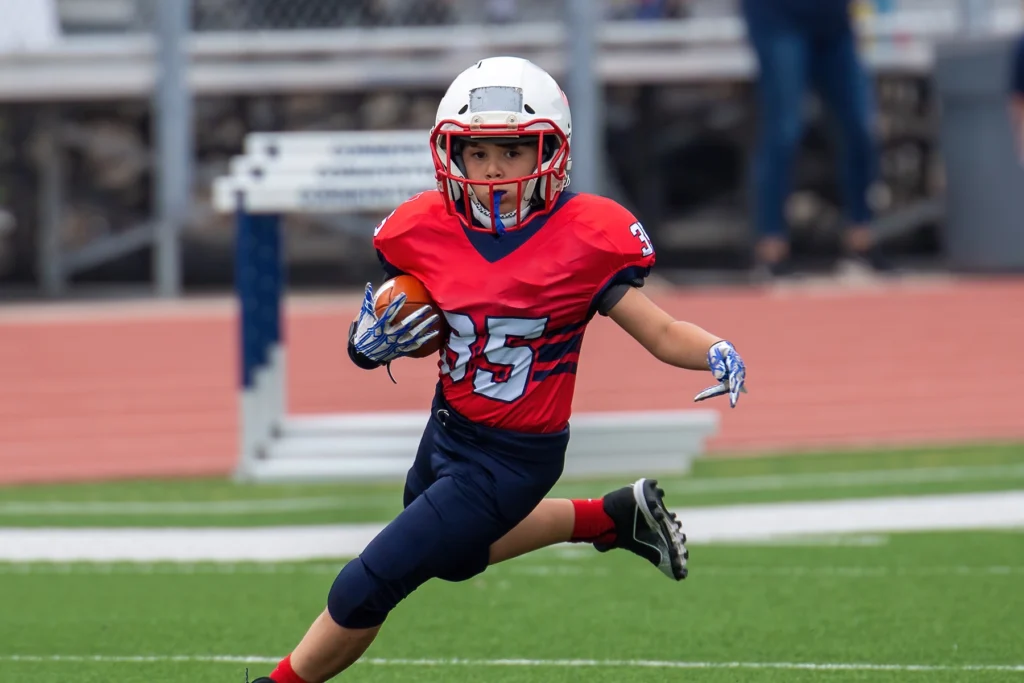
[[85, 184], [119, 351]]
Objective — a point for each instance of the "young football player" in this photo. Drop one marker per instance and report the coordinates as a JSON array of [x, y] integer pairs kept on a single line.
[[519, 266]]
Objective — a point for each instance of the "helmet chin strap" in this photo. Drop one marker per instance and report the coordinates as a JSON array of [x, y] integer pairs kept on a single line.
[[484, 215]]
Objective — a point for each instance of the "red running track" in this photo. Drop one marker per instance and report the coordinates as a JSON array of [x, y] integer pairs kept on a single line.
[[149, 389]]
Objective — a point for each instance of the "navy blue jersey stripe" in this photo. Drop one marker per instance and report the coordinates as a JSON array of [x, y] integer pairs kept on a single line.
[[568, 367], [548, 353]]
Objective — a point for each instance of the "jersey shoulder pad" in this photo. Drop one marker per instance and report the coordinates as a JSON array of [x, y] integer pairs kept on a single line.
[[400, 239], [418, 210], [612, 229]]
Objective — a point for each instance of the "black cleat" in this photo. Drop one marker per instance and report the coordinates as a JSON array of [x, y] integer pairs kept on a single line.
[[645, 527]]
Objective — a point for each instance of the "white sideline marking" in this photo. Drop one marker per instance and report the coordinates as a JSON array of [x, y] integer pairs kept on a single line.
[[1004, 510], [538, 663], [744, 523], [261, 544], [919, 475]]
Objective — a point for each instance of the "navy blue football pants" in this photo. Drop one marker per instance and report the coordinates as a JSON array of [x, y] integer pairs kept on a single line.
[[469, 486], [791, 57]]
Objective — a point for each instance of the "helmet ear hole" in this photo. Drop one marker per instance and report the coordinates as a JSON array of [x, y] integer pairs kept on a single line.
[[457, 148], [537, 201], [551, 146]]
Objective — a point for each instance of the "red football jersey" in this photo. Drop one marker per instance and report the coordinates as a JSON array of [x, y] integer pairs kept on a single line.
[[517, 305]]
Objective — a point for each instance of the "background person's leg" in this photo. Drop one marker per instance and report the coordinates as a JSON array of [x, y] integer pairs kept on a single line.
[[782, 53], [847, 91]]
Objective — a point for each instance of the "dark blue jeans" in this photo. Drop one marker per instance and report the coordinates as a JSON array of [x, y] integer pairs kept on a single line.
[[1017, 83], [793, 56]]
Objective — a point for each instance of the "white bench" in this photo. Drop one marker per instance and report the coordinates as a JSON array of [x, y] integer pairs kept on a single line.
[[326, 172], [283, 173]]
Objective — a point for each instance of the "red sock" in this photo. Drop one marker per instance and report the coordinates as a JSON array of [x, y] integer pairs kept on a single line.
[[284, 673], [592, 525]]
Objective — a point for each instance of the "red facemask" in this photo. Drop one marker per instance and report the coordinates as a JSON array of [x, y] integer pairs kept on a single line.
[[550, 177]]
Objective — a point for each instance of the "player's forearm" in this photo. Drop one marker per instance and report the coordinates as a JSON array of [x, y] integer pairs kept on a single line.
[[671, 341], [685, 345]]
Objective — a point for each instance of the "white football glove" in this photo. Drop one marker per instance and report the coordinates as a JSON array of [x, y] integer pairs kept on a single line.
[[382, 339], [728, 368]]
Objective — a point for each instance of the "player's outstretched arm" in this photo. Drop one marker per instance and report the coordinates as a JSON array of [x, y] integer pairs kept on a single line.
[[681, 344]]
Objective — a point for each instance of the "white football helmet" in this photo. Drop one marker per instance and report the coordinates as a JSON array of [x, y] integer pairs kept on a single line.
[[497, 99]]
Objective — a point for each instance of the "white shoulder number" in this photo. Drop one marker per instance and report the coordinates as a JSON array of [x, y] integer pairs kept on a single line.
[[641, 234], [380, 225], [376, 231]]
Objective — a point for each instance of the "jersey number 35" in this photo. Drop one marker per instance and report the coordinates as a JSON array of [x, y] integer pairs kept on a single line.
[[515, 360]]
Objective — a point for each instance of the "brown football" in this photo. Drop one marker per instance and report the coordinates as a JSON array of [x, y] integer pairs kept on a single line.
[[416, 296]]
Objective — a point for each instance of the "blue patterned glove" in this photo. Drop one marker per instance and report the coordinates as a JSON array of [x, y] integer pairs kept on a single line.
[[382, 339], [728, 368]]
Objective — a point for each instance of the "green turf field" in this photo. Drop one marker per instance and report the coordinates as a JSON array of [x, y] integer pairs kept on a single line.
[[943, 607], [934, 600]]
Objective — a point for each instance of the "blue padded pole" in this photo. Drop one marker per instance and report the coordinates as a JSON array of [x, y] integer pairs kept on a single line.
[[271, 297], [248, 299], [259, 282], [250, 342]]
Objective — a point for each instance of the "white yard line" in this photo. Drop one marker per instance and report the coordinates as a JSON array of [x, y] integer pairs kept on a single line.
[[343, 501], [917, 475], [727, 524], [518, 568], [533, 663]]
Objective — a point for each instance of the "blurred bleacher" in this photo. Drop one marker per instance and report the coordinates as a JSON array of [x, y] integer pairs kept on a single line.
[[78, 17], [678, 113]]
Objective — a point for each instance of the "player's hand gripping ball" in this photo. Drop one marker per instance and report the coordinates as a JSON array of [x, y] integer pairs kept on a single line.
[[728, 368], [399, 320], [415, 299]]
